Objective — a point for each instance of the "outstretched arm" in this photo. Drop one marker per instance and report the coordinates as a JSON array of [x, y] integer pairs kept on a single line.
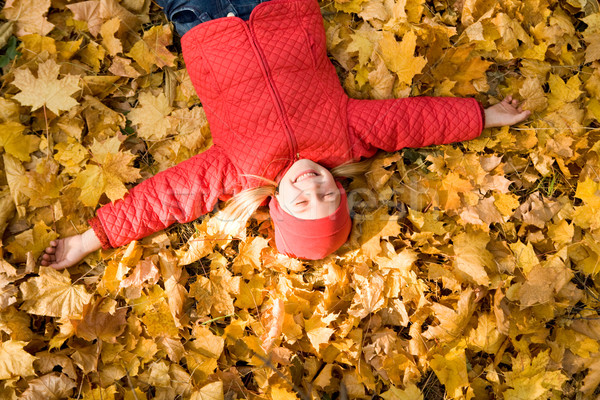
[[422, 121], [179, 194]]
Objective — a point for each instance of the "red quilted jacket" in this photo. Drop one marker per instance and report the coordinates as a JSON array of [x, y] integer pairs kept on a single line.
[[272, 96]]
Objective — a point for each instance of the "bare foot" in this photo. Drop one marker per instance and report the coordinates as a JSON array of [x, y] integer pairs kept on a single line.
[[64, 253], [507, 112]]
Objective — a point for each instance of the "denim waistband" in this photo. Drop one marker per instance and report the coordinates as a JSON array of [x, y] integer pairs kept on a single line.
[[186, 14]]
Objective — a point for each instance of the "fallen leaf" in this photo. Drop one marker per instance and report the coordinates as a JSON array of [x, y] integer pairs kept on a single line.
[[46, 90], [53, 294]]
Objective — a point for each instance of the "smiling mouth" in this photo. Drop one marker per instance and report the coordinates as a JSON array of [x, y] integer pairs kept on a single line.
[[305, 175]]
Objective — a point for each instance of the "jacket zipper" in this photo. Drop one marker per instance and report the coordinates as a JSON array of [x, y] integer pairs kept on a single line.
[[294, 155]]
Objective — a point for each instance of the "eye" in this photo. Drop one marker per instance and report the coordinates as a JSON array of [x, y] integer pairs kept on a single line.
[[330, 194]]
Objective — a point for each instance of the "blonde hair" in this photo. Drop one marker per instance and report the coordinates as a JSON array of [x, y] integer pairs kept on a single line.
[[240, 207]]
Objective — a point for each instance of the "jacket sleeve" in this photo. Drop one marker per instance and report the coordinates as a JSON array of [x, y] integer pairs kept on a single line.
[[179, 194], [394, 124]]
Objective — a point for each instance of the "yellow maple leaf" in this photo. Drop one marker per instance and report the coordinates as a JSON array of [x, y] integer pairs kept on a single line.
[[53, 294], [117, 169], [579, 344], [46, 90], [562, 92], [486, 336], [152, 49], [43, 187], [362, 42], [9, 110], [91, 182], [33, 240], [150, 116], [471, 256], [29, 15], [589, 192], [109, 41], [451, 370], [452, 185], [525, 256], [452, 322], [70, 154], [93, 55], [400, 58], [14, 361], [66, 50], [34, 44], [17, 181], [377, 225], [15, 143], [317, 329], [249, 257], [108, 177], [369, 297], [212, 391], [530, 378]]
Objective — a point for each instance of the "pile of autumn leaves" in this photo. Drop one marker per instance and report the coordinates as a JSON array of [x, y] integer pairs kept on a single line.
[[487, 278]]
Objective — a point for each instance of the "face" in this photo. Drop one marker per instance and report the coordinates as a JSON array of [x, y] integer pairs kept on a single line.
[[308, 191]]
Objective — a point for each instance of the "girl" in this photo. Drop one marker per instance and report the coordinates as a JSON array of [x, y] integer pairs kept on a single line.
[[277, 111]]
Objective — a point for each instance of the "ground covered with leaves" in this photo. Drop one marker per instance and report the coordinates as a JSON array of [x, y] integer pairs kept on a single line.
[[472, 270]]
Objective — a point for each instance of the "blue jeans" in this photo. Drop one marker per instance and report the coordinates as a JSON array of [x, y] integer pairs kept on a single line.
[[185, 14]]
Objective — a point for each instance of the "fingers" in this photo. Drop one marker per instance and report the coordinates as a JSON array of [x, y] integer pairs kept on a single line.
[[49, 255]]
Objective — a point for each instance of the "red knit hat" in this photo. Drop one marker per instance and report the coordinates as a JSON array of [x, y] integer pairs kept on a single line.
[[311, 239]]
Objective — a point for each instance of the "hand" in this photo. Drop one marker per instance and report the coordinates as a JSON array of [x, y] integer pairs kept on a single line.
[[507, 112], [64, 253]]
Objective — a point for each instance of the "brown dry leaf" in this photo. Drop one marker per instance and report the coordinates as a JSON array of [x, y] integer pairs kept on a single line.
[[145, 271], [94, 13], [272, 319], [46, 90], [544, 281], [50, 386], [533, 93], [122, 67], [29, 16], [88, 11], [53, 294], [97, 324]]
